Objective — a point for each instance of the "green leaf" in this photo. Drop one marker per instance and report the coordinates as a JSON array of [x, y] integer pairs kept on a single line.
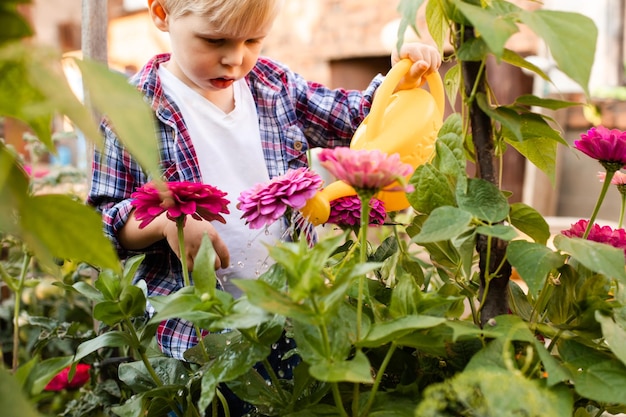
[[14, 25], [62, 227], [408, 15], [495, 28], [508, 117], [444, 223], [483, 200], [437, 23], [204, 278], [169, 371], [474, 49], [130, 269], [238, 357], [44, 371], [604, 382], [125, 107], [546, 103], [541, 151], [529, 221], [263, 295], [109, 284], [21, 99], [614, 334], [109, 339], [533, 262], [13, 191], [499, 231], [432, 189], [516, 59], [485, 393], [60, 98], [382, 333], [598, 257], [571, 39], [355, 370], [452, 82], [12, 400]]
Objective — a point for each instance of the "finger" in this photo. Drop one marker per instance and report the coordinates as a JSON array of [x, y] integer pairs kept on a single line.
[[222, 258]]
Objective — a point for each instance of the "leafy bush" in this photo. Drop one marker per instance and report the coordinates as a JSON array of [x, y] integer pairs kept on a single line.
[[418, 318]]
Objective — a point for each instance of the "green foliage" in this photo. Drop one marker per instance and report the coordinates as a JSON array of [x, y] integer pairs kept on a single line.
[[397, 333]]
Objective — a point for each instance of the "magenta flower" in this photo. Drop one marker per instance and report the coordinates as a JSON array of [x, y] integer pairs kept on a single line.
[[263, 204], [597, 233], [180, 199], [61, 380], [346, 211], [365, 169], [608, 146]]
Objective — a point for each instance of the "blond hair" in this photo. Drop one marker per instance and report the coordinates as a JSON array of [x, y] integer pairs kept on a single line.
[[227, 16]]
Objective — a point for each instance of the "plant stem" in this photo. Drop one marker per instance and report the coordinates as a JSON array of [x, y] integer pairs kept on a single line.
[[275, 380], [180, 223], [621, 211], [224, 403], [337, 398], [326, 341], [596, 209], [365, 216], [379, 377], [16, 312], [142, 354]]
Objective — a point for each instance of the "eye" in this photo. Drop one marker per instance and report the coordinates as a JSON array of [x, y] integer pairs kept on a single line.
[[253, 41], [214, 41]]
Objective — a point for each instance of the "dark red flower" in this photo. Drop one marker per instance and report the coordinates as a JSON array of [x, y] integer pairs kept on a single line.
[[180, 199], [61, 380], [346, 211]]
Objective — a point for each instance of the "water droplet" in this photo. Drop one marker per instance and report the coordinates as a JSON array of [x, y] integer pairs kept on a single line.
[[281, 373], [269, 383], [275, 346], [240, 264], [228, 342]]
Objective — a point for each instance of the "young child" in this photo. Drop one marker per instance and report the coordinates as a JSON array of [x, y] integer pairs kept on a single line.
[[229, 118]]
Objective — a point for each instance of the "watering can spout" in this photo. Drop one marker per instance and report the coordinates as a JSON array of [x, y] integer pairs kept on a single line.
[[405, 122]]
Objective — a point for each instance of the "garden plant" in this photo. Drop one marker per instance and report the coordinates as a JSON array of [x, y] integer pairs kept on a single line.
[[411, 313]]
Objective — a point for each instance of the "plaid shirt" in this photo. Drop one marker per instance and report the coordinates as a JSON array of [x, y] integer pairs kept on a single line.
[[294, 115]]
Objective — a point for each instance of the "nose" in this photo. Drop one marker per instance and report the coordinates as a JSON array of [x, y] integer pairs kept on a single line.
[[234, 54]]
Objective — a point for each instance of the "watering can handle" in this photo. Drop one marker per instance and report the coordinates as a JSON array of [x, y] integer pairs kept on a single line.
[[385, 90]]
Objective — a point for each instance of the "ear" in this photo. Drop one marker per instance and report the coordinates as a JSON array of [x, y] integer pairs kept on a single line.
[[158, 14]]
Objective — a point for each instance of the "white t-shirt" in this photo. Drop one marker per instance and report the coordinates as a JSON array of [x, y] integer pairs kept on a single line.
[[228, 147]]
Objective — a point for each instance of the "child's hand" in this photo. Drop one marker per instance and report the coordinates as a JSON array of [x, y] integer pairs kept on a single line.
[[426, 60], [194, 230]]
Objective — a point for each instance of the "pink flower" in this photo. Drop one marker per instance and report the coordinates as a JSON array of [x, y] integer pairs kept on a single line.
[[346, 211], [608, 146], [40, 173], [61, 380], [180, 199], [600, 234], [365, 169], [263, 204]]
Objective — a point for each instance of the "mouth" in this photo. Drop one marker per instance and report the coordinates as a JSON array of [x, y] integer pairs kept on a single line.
[[222, 82]]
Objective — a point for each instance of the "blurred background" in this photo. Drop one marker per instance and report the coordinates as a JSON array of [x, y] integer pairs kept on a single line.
[[344, 43]]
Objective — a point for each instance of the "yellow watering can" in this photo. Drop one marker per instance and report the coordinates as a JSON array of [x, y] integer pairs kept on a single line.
[[405, 122]]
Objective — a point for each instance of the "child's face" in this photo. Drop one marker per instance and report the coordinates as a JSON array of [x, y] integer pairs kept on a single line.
[[208, 61]]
